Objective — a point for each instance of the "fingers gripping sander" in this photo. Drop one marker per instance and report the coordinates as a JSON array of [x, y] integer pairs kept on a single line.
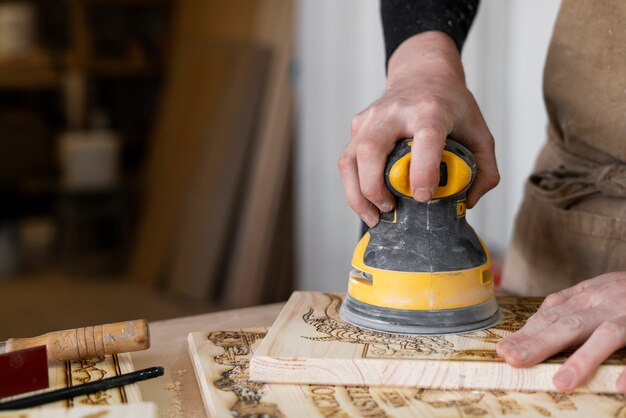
[[423, 269]]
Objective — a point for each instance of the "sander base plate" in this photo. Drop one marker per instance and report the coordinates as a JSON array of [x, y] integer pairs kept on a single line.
[[427, 322]]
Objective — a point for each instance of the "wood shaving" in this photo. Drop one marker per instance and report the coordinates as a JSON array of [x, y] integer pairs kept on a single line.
[[174, 388]]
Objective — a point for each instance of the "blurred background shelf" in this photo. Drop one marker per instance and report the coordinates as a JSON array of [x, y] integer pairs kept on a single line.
[[34, 70], [145, 158], [68, 66]]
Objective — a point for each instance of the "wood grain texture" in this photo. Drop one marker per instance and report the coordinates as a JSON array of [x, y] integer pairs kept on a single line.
[[74, 373], [221, 362], [309, 343], [142, 409]]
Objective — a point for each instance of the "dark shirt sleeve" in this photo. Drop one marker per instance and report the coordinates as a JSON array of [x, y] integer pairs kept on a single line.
[[405, 18]]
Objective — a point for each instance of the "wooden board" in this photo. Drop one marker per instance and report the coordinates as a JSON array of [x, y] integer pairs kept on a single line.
[[309, 343], [141, 409], [219, 163], [214, 200], [74, 373], [199, 80], [250, 268], [221, 362]]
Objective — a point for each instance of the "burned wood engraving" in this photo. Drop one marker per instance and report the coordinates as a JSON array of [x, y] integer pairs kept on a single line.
[[236, 379], [386, 345], [515, 313], [91, 370], [233, 349], [73, 373], [310, 344], [376, 344]]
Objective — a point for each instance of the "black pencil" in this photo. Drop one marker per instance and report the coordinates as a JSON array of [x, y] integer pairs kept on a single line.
[[84, 389]]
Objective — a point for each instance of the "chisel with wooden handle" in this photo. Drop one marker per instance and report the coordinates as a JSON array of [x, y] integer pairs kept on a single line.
[[87, 342]]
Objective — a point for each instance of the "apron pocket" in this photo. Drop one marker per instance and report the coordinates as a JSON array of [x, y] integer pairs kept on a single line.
[[554, 248]]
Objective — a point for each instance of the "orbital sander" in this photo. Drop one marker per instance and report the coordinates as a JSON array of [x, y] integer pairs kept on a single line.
[[422, 269]]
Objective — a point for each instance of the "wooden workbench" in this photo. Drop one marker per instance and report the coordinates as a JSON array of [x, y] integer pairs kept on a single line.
[[176, 393]]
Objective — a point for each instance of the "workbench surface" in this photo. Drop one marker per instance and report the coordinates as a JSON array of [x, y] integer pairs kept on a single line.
[[176, 393]]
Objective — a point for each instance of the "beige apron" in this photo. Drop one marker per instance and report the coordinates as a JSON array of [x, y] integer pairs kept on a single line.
[[572, 223]]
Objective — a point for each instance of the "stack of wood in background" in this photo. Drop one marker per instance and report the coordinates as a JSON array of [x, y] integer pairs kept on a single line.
[[218, 210]]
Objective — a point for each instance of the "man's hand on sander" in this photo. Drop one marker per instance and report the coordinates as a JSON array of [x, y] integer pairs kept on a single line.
[[426, 99], [591, 313]]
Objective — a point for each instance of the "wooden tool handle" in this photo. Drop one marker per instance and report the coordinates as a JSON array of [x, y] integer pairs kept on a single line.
[[89, 342]]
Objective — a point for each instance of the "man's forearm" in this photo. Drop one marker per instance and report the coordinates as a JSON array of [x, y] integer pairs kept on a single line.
[[403, 19], [425, 52]]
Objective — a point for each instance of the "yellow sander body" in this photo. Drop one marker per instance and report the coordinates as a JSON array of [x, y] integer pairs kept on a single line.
[[423, 269]]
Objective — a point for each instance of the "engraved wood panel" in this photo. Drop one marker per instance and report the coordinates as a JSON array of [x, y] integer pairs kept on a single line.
[[221, 362], [134, 410], [72, 373], [309, 343]]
